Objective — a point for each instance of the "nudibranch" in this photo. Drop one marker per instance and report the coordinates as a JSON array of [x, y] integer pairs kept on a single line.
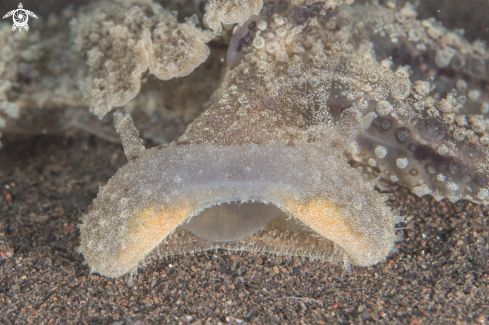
[[298, 200]]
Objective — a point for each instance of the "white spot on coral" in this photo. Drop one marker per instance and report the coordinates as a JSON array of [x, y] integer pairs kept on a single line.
[[262, 25], [444, 56], [400, 90], [423, 88], [452, 186], [272, 47], [363, 104], [443, 150], [387, 63], [374, 77], [421, 47], [380, 151], [483, 194], [383, 108], [485, 108], [440, 177], [11, 109], [372, 162], [123, 201], [281, 31], [474, 94], [484, 140], [367, 120], [277, 19], [414, 35], [461, 85], [402, 163], [259, 42], [422, 190], [403, 72], [230, 12]]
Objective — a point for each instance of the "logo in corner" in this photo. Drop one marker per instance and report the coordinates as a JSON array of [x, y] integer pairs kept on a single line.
[[20, 17]]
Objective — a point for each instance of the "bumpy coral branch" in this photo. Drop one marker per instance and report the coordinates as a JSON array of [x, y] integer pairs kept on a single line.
[[230, 12], [99, 62], [121, 40], [303, 66]]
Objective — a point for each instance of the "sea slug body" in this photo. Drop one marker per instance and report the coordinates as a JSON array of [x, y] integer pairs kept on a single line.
[[225, 194]]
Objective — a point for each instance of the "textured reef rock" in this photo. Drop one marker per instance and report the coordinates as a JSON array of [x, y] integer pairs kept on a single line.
[[119, 41], [230, 12], [405, 99], [37, 76], [97, 57], [424, 122], [436, 142]]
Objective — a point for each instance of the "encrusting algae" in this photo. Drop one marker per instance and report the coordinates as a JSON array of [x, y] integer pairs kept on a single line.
[[320, 102]]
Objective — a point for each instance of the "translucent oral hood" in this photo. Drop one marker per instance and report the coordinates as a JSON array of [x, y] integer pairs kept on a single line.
[[227, 194]]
